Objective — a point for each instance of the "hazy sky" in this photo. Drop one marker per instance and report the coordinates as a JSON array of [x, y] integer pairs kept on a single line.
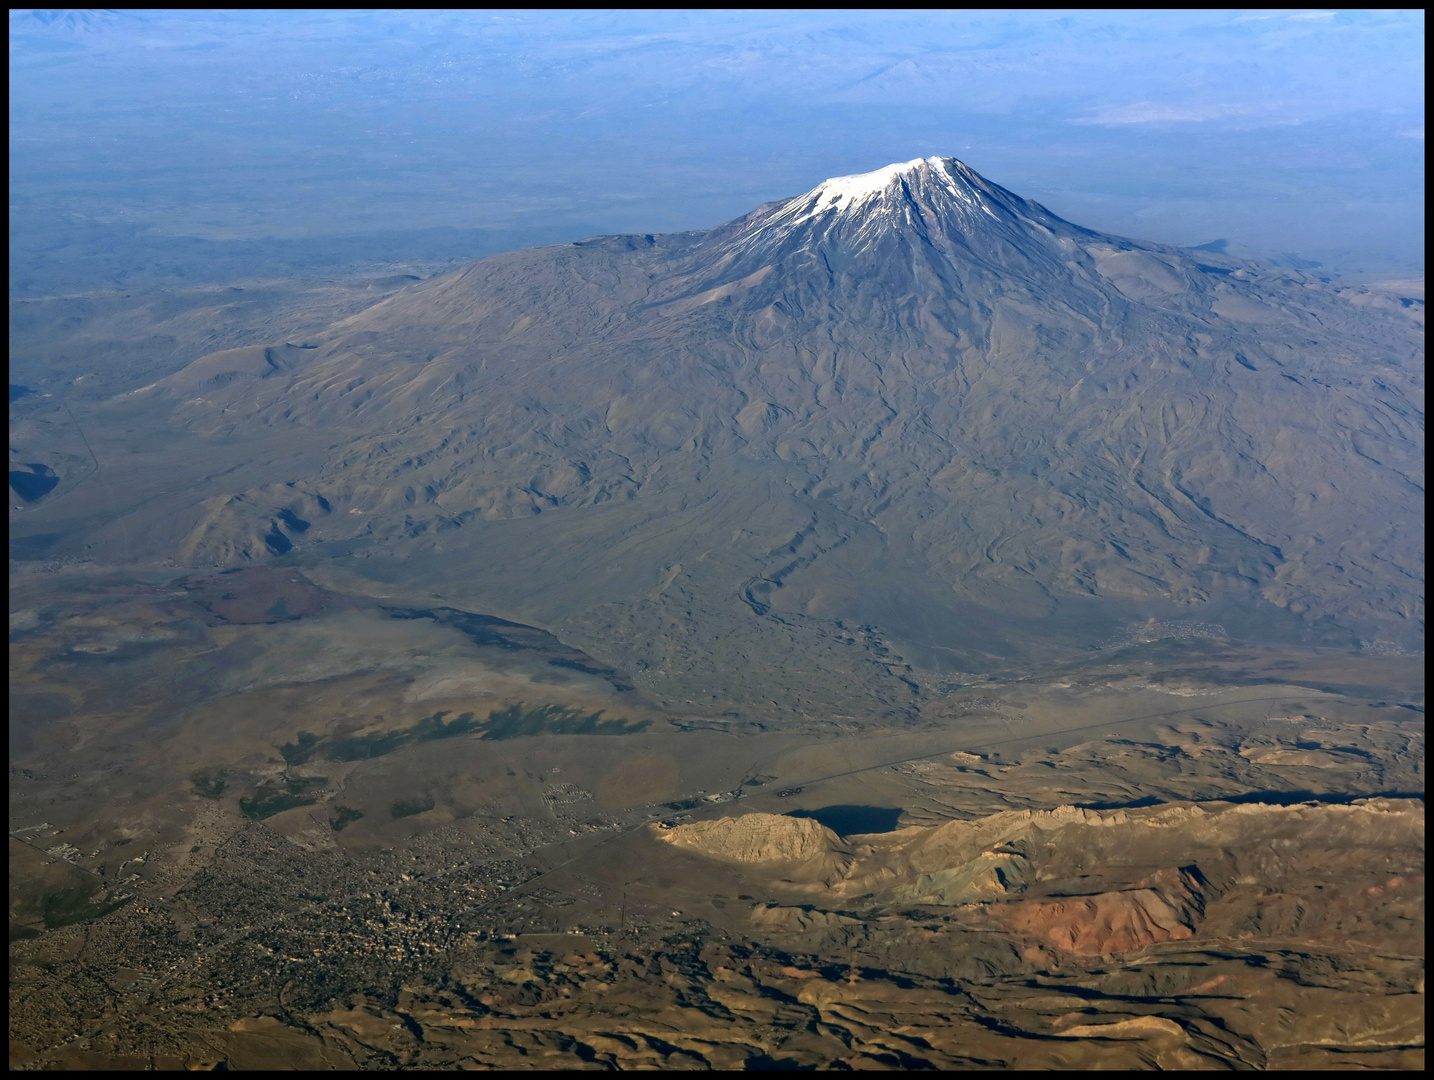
[[1298, 132]]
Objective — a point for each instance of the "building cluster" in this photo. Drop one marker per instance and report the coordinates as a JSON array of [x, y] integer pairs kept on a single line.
[[258, 923]]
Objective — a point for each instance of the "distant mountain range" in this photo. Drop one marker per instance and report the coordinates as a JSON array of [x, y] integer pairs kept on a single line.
[[907, 410]]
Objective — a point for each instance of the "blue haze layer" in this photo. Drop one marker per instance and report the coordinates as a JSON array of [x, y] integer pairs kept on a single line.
[[295, 136]]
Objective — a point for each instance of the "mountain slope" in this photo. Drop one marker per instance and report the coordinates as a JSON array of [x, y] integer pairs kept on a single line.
[[908, 400]]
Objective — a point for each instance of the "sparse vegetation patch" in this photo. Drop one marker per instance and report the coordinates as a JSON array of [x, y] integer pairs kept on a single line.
[[208, 784], [512, 722], [75, 904], [509, 723], [344, 817], [301, 749], [377, 743], [269, 800], [265, 804], [410, 807]]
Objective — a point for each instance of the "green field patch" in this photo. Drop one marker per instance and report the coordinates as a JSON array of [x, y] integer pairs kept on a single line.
[[363, 747], [433, 727], [509, 723], [301, 749], [345, 817], [411, 807], [269, 800], [208, 783], [377, 743], [513, 722], [264, 804]]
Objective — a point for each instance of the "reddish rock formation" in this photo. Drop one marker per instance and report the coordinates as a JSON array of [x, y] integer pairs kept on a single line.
[[1166, 906]]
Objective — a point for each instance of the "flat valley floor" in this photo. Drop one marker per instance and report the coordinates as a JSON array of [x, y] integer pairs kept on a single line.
[[266, 823]]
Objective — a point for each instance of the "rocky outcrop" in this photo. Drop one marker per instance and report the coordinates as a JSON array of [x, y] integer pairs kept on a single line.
[[1030, 872], [1166, 907], [798, 850], [245, 528], [1309, 759], [990, 875], [797, 920]]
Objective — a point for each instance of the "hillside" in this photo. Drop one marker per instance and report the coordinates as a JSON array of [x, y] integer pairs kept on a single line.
[[908, 411]]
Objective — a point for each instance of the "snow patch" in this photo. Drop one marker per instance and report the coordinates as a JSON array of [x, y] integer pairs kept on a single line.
[[861, 185], [858, 193]]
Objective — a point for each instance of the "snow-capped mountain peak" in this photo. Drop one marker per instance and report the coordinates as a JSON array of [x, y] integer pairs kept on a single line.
[[842, 192], [939, 199], [888, 186]]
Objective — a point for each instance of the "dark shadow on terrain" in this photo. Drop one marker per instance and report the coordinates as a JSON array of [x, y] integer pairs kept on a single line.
[[851, 820], [410, 807], [767, 1063], [485, 630], [1230, 663], [492, 632], [277, 542], [592, 667], [32, 547], [1274, 798], [33, 482], [1133, 804], [82, 902], [1201, 882]]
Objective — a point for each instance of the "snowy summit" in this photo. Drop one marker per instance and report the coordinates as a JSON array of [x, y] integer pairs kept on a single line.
[[861, 185], [923, 194]]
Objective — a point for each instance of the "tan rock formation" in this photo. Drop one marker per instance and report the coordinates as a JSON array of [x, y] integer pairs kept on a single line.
[[756, 838]]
